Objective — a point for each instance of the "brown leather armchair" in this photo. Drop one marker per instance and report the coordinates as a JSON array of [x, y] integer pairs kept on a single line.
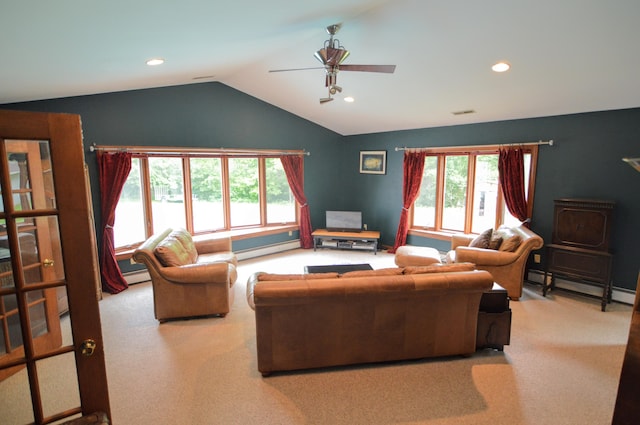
[[506, 267], [190, 276]]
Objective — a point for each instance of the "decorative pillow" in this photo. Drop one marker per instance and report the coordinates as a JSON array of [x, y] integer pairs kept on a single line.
[[482, 240], [187, 242], [440, 268], [511, 244], [274, 277], [495, 242], [510, 239], [380, 272], [170, 252]]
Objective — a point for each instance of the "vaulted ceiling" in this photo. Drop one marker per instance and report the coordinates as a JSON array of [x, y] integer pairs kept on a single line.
[[566, 56]]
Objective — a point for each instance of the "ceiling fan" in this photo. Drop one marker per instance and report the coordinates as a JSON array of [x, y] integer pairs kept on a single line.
[[331, 56]]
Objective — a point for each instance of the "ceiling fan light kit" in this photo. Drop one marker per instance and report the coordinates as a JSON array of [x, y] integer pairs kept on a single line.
[[331, 56]]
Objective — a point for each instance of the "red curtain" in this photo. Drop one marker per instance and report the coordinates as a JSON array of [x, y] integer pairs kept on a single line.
[[511, 172], [113, 171], [413, 166], [293, 168]]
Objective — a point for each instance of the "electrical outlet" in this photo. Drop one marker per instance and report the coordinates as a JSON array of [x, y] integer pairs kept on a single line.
[[365, 226], [536, 258], [290, 233]]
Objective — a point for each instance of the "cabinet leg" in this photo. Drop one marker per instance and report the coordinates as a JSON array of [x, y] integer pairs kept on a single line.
[[607, 294], [545, 285]]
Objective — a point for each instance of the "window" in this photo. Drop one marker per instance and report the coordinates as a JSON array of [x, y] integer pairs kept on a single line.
[[201, 194], [244, 191], [206, 194], [130, 223], [424, 209], [460, 191], [456, 172], [280, 200], [485, 194], [167, 193]]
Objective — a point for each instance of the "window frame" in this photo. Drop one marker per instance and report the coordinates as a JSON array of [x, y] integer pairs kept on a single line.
[[438, 232], [262, 228]]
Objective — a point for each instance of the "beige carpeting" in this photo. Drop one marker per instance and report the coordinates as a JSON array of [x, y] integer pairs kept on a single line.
[[562, 366]]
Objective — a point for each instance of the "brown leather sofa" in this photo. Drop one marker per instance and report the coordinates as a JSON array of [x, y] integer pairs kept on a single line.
[[321, 320], [507, 266], [190, 276]]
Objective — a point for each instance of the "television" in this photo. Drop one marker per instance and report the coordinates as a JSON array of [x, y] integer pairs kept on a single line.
[[344, 221]]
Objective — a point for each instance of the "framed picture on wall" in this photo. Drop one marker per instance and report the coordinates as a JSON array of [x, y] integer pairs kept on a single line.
[[373, 162]]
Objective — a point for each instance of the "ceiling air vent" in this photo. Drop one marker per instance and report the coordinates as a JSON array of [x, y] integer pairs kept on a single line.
[[465, 112]]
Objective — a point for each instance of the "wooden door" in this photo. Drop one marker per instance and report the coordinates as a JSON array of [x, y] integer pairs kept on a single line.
[[52, 364]]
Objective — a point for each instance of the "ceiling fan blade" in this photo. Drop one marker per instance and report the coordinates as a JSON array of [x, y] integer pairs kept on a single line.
[[387, 69], [295, 69]]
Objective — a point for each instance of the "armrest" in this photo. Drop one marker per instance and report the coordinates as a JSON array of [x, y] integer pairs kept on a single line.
[[206, 245], [251, 284], [197, 273], [484, 257], [461, 240]]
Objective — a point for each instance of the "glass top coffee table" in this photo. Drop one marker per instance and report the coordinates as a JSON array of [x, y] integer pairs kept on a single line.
[[337, 268]]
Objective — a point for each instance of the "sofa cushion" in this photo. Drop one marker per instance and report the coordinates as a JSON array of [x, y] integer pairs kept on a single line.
[[495, 242], [187, 242], [274, 277], [440, 268], [511, 244], [510, 240], [171, 252], [482, 240], [380, 272], [408, 255]]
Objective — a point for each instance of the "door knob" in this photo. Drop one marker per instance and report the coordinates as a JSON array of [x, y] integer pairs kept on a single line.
[[87, 347]]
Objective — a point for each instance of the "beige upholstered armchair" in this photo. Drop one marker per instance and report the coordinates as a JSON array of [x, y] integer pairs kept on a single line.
[[506, 259], [190, 276]]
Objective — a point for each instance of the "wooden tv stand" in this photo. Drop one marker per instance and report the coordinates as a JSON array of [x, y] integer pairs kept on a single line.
[[366, 240]]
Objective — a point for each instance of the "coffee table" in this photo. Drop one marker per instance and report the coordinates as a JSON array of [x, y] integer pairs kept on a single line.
[[337, 268]]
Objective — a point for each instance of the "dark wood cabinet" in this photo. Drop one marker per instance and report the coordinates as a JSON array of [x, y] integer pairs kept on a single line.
[[580, 244]]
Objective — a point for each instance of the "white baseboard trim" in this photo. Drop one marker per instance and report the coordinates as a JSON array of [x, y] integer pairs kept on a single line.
[[137, 276], [143, 275], [268, 249], [622, 295]]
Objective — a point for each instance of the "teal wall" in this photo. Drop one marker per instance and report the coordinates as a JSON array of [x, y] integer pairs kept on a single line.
[[584, 162]]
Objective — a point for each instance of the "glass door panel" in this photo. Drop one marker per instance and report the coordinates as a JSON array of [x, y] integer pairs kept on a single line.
[[29, 290]]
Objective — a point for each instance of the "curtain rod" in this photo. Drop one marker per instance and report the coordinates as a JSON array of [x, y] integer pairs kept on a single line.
[[539, 142], [197, 151]]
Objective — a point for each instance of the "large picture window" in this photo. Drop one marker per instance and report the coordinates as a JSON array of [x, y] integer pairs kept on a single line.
[[202, 193], [460, 192]]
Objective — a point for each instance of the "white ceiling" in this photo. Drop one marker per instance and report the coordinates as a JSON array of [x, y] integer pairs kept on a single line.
[[567, 56]]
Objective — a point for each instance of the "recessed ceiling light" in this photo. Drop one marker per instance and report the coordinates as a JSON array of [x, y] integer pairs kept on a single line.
[[155, 61], [501, 67], [349, 99]]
